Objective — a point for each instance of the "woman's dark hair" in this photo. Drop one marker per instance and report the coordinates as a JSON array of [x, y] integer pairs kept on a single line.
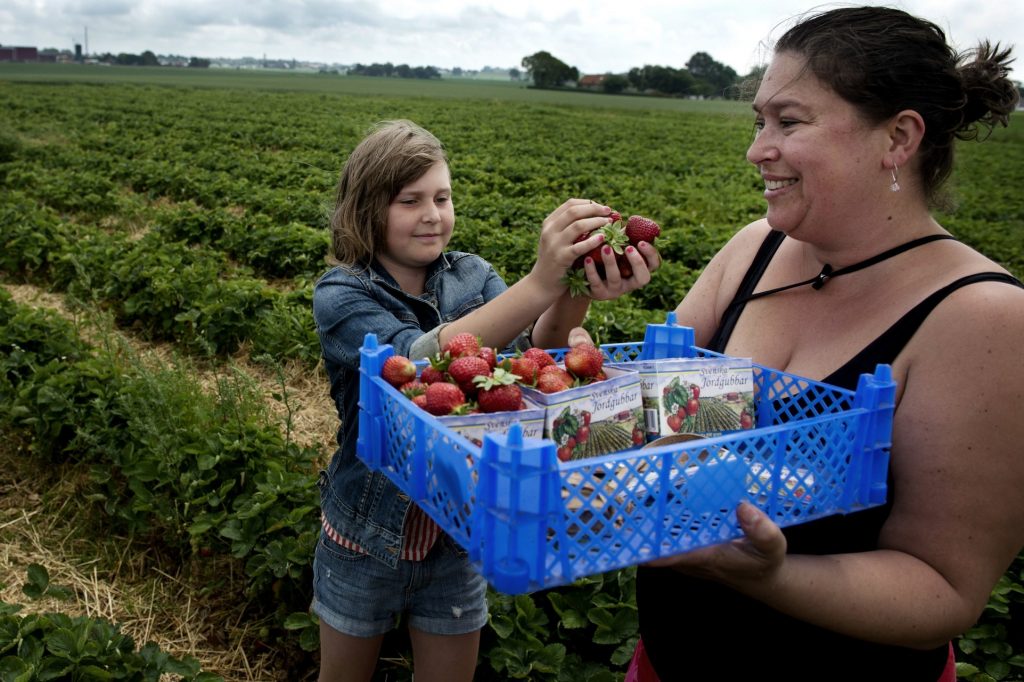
[[883, 61]]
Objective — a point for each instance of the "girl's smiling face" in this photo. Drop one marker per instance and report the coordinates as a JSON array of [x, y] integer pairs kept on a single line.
[[821, 162], [421, 218]]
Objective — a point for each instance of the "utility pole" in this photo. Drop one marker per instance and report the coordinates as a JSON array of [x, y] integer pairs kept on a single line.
[[86, 41]]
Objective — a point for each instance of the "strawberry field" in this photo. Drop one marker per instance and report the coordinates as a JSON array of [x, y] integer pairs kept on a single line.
[[162, 409]]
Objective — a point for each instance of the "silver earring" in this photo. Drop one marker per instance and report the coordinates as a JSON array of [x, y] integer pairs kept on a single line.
[[895, 186]]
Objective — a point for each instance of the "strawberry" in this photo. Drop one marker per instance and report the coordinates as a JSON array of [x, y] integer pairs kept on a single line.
[[432, 375], [461, 344], [564, 453], [584, 360], [524, 368], [625, 269], [640, 229], [614, 238], [420, 401], [615, 216], [490, 355], [552, 382], [498, 392], [411, 389], [465, 369], [559, 372], [444, 398], [397, 370], [540, 356]]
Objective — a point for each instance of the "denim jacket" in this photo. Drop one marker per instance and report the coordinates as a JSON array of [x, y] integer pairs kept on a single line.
[[349, 302]]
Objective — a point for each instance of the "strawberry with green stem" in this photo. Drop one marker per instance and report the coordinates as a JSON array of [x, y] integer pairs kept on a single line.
[[618, 238], [498, 392]]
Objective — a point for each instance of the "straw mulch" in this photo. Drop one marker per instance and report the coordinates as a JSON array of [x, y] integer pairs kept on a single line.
[[43, 521]]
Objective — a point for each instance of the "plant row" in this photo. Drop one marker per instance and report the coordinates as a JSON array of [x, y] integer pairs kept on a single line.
[[211, 476]]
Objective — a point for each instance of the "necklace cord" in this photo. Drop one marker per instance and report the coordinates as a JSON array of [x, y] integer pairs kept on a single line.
[[827, 273]]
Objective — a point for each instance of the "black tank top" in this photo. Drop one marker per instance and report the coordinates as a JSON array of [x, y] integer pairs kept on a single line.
[[683, 620]]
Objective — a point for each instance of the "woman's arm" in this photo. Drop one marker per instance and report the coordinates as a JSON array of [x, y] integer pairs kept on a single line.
[[958, 517]]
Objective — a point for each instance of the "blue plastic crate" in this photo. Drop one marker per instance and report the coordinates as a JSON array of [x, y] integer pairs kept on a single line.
[[531, 522]]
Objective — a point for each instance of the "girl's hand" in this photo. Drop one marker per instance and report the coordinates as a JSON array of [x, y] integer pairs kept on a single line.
[[578, 335], [755, 557], [644, 260], [557, 248]]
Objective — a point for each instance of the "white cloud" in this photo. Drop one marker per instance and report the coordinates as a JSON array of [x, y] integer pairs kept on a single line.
[[597, 36]]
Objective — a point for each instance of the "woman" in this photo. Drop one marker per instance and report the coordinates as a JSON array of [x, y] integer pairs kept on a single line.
[[855, 122]]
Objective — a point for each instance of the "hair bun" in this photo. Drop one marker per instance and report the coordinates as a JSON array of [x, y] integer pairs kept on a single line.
[[989, 94]]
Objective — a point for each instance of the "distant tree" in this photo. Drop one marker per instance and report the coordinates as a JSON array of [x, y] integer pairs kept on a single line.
[[149, 59], [389, 70], [514, 74], [198, 63], [718, 77], [429, 72], [615, 83], [548, 71], [662, 79], [457, 71]]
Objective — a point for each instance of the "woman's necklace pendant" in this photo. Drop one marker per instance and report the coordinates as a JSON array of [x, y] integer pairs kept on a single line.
[[823, 276]]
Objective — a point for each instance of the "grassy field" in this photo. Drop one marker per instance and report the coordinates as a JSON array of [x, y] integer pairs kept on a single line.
[[267, 80], [183, 211]]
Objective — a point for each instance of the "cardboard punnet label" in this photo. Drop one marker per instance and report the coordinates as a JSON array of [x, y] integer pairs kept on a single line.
[[474, 427], [705, 396], [594, 419]]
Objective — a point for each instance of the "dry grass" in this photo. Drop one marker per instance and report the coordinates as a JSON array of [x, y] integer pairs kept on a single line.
[[122, 579], [314, 418], [119, 579]]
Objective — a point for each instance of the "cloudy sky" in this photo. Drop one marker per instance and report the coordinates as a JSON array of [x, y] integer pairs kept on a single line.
[[596, 36]]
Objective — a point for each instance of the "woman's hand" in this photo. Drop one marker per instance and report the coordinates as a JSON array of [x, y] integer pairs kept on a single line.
[[643, 260], [756, 556]]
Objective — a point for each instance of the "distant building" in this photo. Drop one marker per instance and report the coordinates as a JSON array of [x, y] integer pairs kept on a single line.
[[11, 53], [592, 82]]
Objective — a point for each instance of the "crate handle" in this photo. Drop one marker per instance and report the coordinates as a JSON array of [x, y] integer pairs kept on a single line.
[[516, 496], [370, 442], [668, 340]]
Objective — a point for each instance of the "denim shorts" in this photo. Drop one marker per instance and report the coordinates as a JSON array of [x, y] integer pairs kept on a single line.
[[361, 596]]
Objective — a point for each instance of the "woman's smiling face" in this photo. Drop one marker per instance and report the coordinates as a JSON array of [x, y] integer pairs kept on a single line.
[[819, 159]]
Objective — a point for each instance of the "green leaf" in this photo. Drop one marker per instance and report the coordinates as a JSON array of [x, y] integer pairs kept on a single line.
[[38, 580], [613, 627], [300, 620], [13, 669]]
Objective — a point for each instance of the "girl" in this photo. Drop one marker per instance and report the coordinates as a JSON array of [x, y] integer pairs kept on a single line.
[[379, 556]]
